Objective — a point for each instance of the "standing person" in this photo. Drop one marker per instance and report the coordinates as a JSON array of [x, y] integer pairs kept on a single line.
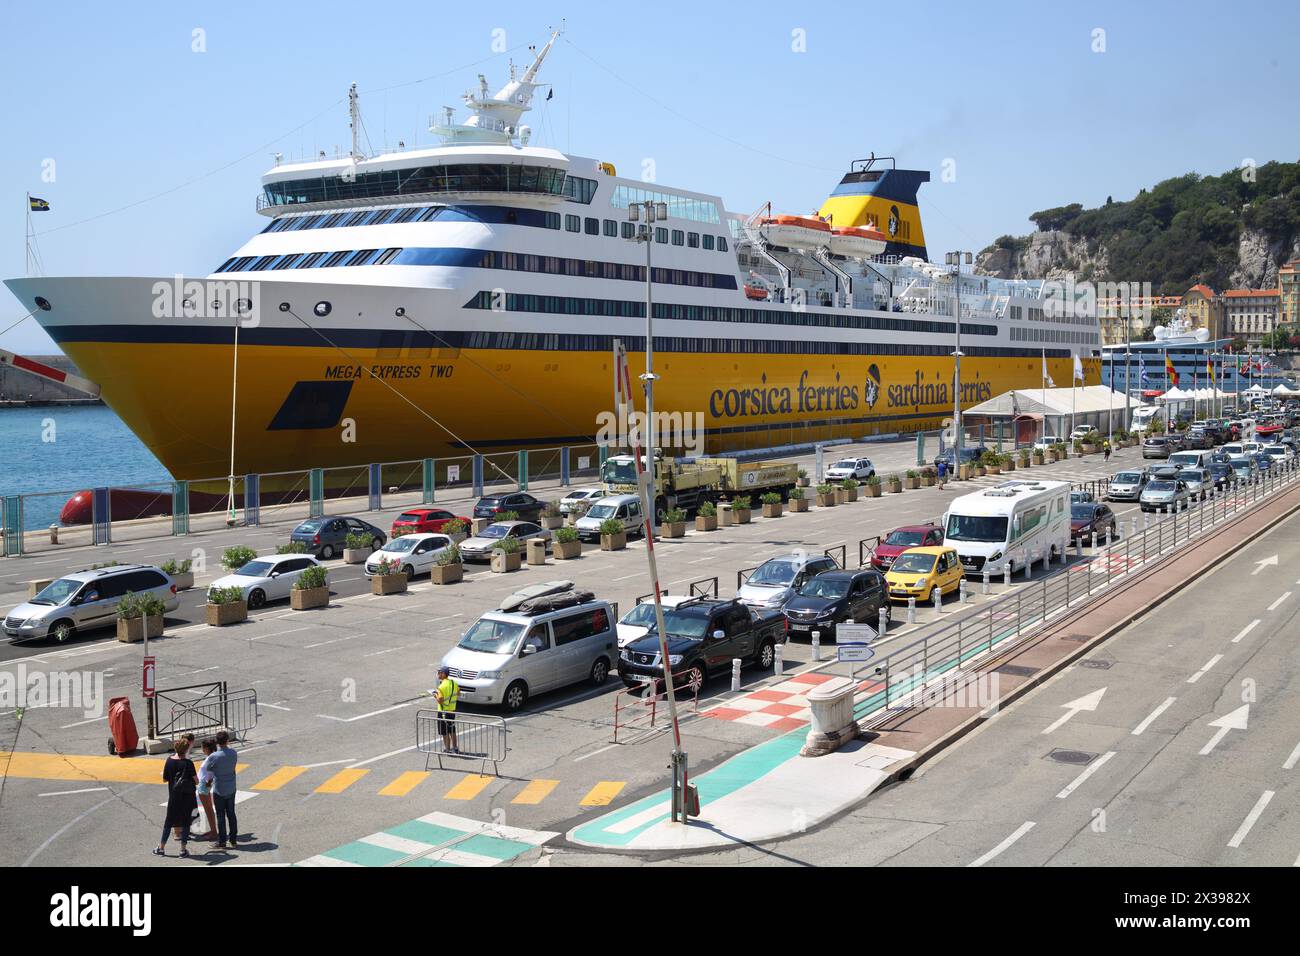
[[942, 468], [206, 778], [446, 694], [1105, 447], [178, 772], [222, 764]]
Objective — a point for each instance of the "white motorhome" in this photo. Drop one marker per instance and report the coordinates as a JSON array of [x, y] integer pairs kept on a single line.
[[1018, 522]]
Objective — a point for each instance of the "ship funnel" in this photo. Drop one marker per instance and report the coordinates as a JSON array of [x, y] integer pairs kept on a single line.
[[874, 192]]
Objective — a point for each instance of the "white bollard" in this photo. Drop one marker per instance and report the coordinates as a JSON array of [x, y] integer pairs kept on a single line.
[[778, 661], [1006, 574], [962, 598], [1078, 546], [882, 621], [1133, 526], [938, 600], [1146, 520], [1105, 538], [816, 645], [984, 583], [911, 610], [735, 673]]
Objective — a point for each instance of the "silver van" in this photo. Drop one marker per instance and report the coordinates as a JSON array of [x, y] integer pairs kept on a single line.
[[1191, 459], [85, 600], [626, 508], [508, 656]]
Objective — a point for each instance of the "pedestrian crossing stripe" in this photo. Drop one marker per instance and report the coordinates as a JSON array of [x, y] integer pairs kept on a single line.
[[404, 784], [342, 780], [470, 786], [602, 794], [436, 839], [536, 791], [279, 778]]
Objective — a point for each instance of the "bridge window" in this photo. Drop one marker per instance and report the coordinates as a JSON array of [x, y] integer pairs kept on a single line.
[[592, 226], [573, 223]]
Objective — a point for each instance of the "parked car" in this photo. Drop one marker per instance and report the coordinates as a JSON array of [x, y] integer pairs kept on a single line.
[[917, 572], [1157, 446], [859, 468], [1197, 480], [266, 579], [1126, 486], [1279, 453], [521, 503], [775, 580], [1081, 495], [703, 637], [412, 553], [479, 547], [968, 454], [1047, 441], [1176, 440], [85, 600], [1244, 468], [900, 539], [1164, 494], [638, 621], [545, 643], [1079, 432], [424, 520], [837, 597], [1088, 519], [326, 536], [626, 508], [1197, 438], [577, 500], [1262, 461], [1222, 474]]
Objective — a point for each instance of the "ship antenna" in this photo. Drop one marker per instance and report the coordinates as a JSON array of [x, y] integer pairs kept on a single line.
[[354, 122]]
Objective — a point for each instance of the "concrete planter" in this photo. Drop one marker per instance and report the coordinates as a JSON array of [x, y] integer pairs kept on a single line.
[[994, 469], [503, 563], [673, 529], [132, 630], [220, 615], [741, 515], [965, 473], [894, 487], [872, 491], [388, 583], [476, 525], [844, 495], [826, 501], [798, 505], [613, 542], [980, 471], [305, 599], [706, 522], [565, 550], [536, 549], [458, 536], [1009, 466], [447, 573], [551, 522], [1052, 457], [1089, 449], [928, 481], [772, 510], [912, 483], [803, 482], [355, 555], [184, 580], [1037, 458], [37, 585]]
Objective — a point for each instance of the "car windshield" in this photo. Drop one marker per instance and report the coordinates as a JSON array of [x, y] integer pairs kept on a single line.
[[619, 471], [921, 563], [494, 531], [1080, 511], [309, 527], [776, 573], [1160, 485], [685, 623], [489, 502], [491, 637], [643, 615], [1127, 478], [906, 539], [403, 544], [601, 511], [976, 528], [56, 592], [823, 587], [848, 463], [255, 569]]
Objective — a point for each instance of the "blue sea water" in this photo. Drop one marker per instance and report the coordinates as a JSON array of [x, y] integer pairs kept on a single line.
[[90, 447]]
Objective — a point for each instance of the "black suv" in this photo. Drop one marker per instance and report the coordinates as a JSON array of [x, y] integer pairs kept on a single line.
[[523, 504], [969, 454], [837, 597], [703, 637]]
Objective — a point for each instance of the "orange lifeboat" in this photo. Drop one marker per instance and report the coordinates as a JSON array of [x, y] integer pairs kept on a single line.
[[755, 292], [797, 232], [858, 242]]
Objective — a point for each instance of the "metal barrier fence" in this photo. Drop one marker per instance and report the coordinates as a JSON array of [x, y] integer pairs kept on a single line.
[[939, 655], [705, 587], [215, 708], [473, 737], [638, 708]]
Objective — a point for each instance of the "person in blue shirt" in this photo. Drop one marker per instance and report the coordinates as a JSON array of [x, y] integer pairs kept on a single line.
[[942, 468], [220, 767]]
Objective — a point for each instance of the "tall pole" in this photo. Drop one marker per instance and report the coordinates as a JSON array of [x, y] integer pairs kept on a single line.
[[955, 259], [1128, 388], [234, 394]]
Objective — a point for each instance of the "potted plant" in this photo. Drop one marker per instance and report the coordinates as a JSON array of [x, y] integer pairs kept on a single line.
[[389, 578], [847, 491], [825, 495], [613, 536], [311, 590], [180, 572], [894, 485], [912, 480], [1025, 456], [293, 547], [449, 568], [798, 501], [1078, 447], [803, 478], [457, 530], [928, 476], [506, 516], [356, 548], [1007, 462], [138, 615], [674, 525], [1038, 456], [740, 509], [991, 463], [566, 544], [1091, 442], [234, 558], [873, 486], [225, 606], [551, 517], [771, 504], [706, 517], [505, 555]]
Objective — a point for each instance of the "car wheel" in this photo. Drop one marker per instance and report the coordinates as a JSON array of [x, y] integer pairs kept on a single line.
[[516, 696], [410, 572], [327, 552], [256, 598], [376, 544], [695, 674], [62, 631], [766, 655], [599, 671]]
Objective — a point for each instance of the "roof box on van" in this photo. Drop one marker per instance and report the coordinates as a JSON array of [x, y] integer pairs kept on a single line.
[[518, 598], [555, 602]]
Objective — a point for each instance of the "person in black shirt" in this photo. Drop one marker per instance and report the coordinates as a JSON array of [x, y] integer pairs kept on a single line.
[[181, 778]]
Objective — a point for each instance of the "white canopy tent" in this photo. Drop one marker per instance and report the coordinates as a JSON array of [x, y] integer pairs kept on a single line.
[[1057, 408], [1285, 392]]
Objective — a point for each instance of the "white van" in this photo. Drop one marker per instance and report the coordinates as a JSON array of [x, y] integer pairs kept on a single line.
[[1014, 523], [626, 508], [547, 642], [1190, 459]]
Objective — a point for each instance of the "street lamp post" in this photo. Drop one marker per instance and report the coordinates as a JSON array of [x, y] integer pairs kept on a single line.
[[955, 259]]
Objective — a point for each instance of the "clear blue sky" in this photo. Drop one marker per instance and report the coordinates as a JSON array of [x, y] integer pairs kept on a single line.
[[1011, 92]]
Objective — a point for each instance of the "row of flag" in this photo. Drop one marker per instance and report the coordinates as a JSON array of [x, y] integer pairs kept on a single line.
[[1171, 374]]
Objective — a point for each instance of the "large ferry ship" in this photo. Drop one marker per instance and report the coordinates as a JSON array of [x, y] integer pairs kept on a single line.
[[467, 296]]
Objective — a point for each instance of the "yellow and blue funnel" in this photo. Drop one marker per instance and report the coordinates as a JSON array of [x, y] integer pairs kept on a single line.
[[884, 198]]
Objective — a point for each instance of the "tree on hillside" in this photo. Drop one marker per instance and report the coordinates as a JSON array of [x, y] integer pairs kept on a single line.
[[1056, 218]]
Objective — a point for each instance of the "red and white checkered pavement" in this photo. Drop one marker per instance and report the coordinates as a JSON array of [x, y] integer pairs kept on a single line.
[[781, 707]]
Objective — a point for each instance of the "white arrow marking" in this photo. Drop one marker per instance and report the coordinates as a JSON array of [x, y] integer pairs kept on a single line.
[[1265, 563], [1087, 702], [1233, 721]]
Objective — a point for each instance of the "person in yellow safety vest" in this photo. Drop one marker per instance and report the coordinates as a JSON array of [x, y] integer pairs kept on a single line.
[[446, 694], [1105, 446]]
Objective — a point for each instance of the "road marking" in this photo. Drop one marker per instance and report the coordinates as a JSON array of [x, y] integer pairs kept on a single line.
[[279, 778], [1087, 702], [262, 637], [1269, 562], [469, 787], [1291, 760], [373, 713], [1251, 818], [1208, 664], [79, 723], [276, 706], [629, 576], [1151, 717], [388, 650], [391, 753], [341, 781], [328, 763], [1274, 605], [1246, 630], [1237, 720], [594, 752], [536, 791], [307, 647], [1021, 831], [404, 784], [84, 769], [64, 793], [1093, 768], [602, 793]]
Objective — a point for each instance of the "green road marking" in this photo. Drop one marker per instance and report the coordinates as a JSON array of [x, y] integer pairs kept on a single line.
[[422, 832], [365, 854], [496, 847]]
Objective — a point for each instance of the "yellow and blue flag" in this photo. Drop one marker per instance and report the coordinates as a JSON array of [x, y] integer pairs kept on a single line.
[[38, 205]]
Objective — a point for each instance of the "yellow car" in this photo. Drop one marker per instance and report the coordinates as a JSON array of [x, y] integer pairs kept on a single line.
[[918, 571]]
